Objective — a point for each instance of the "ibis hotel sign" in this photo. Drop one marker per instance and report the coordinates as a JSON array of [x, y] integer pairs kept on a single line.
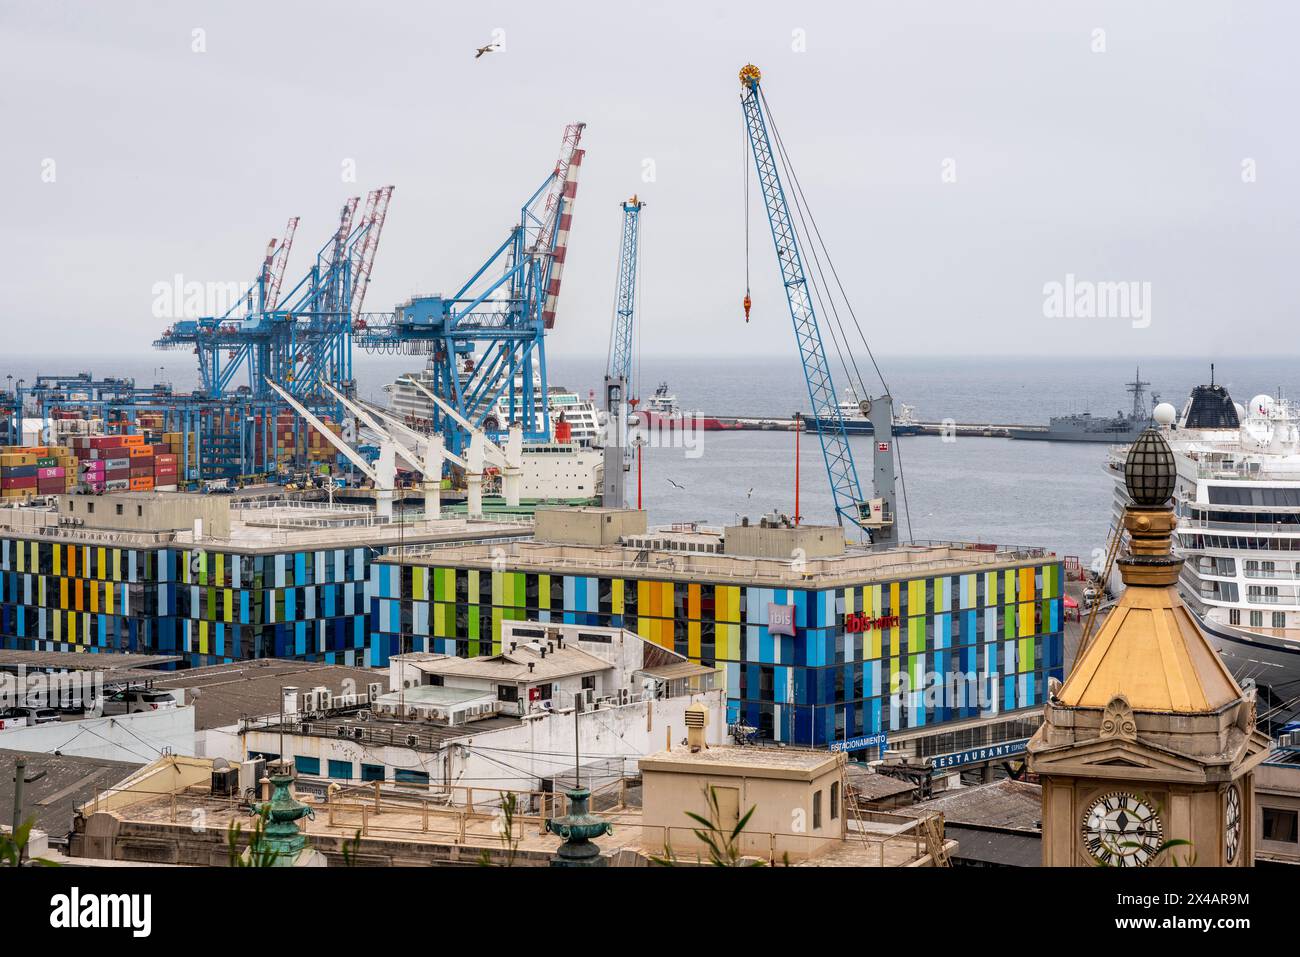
[[856, 622], [780, 619]]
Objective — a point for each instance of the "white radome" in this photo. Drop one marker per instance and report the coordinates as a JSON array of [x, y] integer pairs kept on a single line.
[[1164, 414], [1261, 406], [1241, 411]]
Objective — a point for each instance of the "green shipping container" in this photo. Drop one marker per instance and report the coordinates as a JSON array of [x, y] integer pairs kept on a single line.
[[47, 463]]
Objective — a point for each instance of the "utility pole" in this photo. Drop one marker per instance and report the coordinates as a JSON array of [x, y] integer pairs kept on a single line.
[[20, 779]]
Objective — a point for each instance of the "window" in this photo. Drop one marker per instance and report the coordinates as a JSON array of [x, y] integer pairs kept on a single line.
[[1257, 619], [119, 510], [507, 693], [1279, 619], [835, 801], [139, 511], [341, 770], [304, 765], [90, 507], [544, 692], [1234, 616], [1280, 825], [817, 810], [589, 683], [403, 776], [372, 772]]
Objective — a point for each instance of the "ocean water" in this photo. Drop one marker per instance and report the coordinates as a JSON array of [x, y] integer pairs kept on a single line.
[[1049, 494]]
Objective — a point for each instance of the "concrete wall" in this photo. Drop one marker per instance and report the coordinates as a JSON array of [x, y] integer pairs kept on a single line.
[[138, 738], [588, 526], [815, 541], [150, 511], [783, 820]]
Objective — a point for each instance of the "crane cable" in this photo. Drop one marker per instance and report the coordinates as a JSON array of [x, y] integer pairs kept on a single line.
[[801, 204]]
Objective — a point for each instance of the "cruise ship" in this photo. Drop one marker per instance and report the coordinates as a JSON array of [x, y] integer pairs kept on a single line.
[[1237, 500], [580, 414]]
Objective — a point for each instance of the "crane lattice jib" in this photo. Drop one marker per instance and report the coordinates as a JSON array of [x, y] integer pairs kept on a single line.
[[620, 352], [840, 468]]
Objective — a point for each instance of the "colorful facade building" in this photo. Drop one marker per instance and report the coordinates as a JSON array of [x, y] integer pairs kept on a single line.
[[243, 589], [816, 650]]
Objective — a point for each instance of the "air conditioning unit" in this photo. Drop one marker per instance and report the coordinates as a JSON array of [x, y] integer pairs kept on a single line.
[[341, 731], [376, 690], [364, 714], [325, 700], [358, 733], [306, 727], [225, 782], [412, 740], [624, 695]]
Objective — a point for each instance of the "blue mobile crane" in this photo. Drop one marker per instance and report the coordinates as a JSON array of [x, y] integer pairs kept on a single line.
[[873, 516]]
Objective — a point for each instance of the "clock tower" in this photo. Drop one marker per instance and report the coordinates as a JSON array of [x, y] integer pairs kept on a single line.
[[1147, 752]]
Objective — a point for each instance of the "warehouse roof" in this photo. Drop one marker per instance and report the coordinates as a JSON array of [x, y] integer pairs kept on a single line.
[[67, 783]]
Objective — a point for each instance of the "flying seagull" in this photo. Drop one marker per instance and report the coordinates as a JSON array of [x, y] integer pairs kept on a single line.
[[487, 49], [675, 485], [749, 494]]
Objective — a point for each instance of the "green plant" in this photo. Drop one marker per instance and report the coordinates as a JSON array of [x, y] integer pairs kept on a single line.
[[509, 804], [259, 854], [723, 844], [13, 847], [350, 849]]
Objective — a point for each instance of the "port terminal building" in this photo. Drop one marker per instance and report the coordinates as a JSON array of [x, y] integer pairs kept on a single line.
[[938, 649]]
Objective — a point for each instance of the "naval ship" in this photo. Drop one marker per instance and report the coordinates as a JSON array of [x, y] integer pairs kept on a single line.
[[1086, 427]]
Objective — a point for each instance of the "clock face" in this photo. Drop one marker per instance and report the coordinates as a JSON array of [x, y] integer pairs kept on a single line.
[[1122, 830], [1232, 823]]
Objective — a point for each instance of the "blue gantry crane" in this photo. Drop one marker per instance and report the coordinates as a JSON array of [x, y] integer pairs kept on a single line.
[[301, 338], [874, 518], [486, 341]]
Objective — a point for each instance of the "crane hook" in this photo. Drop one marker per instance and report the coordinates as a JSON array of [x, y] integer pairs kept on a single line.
[[748, 303]]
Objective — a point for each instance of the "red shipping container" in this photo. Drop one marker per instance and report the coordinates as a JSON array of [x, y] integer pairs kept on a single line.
[[165, 458], [112, 474], [50, 472], [24, 482]]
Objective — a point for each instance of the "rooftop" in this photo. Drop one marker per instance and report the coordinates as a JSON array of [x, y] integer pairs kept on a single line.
[[1003, 805], [268, 526], [380, 730], [521, 663], [856, 565], [67, 783], [1150, 651], [792, 763], [222, 694]]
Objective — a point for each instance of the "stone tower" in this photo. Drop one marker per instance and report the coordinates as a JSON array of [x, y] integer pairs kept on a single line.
[[1147, 752]]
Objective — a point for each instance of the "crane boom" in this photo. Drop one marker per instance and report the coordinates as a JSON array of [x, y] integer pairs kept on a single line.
[[840, 468], [620, 346]]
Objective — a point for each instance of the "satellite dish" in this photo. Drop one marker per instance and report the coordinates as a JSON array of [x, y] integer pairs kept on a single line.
[[1164, 414], [1261, 406], [220, 764]]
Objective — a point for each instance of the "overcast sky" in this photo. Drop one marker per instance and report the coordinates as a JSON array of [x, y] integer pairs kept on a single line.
[[959, 156]]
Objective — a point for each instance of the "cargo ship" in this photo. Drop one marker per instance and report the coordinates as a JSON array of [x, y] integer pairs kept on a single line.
[[857, 423]]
